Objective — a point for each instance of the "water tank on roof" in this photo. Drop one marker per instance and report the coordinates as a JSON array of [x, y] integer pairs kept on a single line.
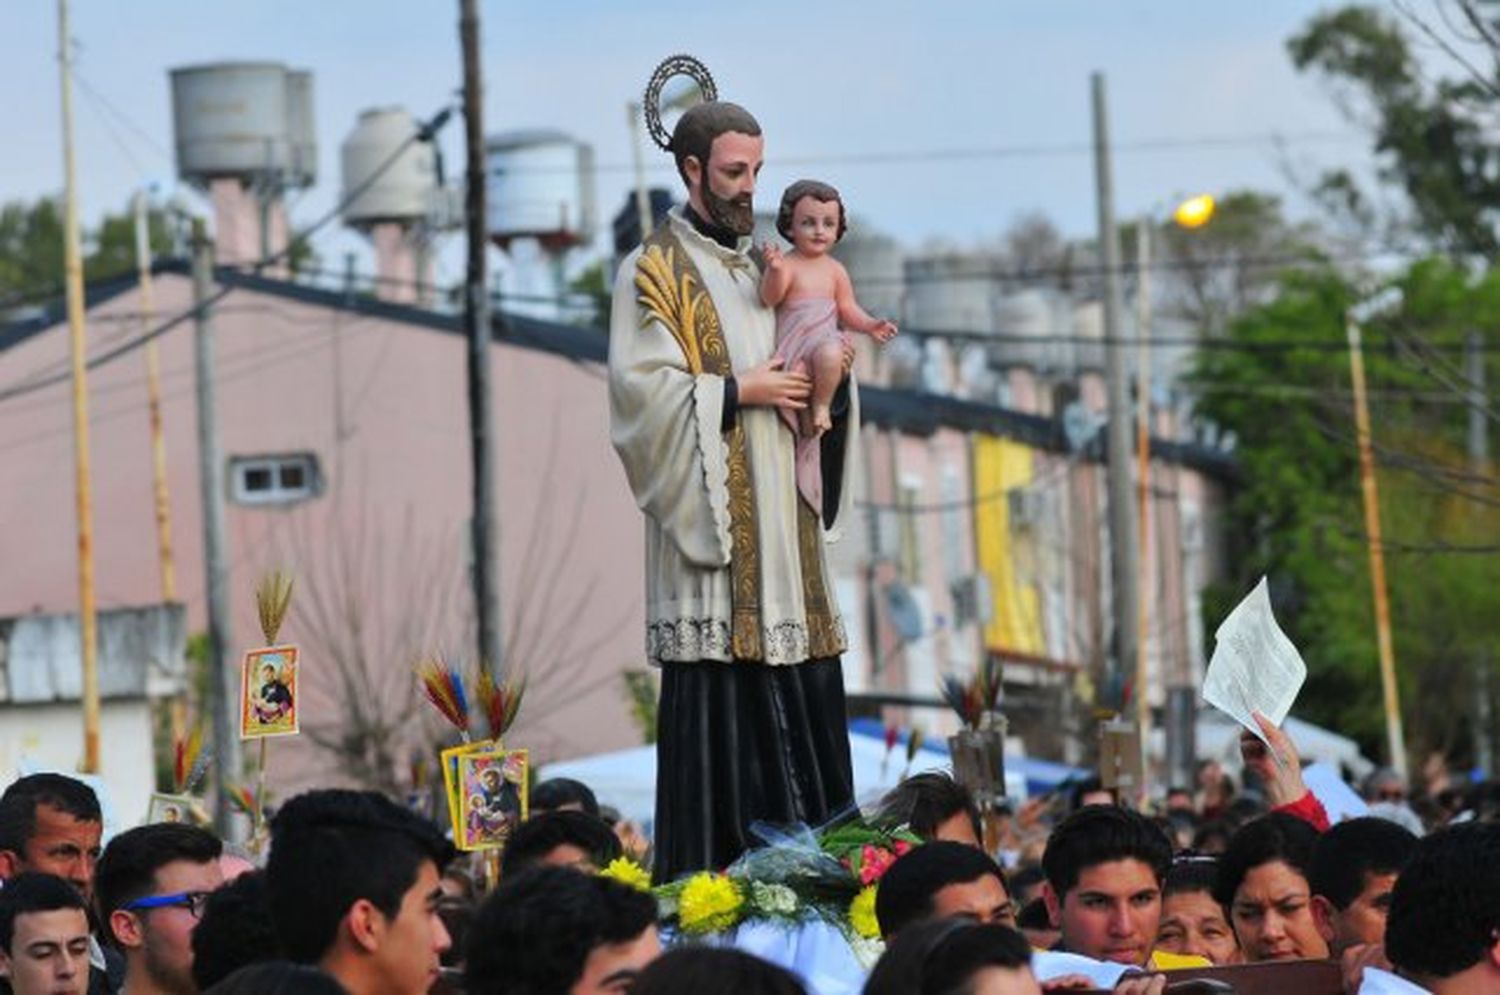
[[1024, 323], [876, 268], [251, 120], [541, 187], [407, 189], [951, 292]]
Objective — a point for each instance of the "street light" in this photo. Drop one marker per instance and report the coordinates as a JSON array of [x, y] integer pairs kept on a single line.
[[1195, 212]]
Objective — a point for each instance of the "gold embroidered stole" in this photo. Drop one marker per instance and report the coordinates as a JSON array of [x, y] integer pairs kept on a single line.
[[669, 289]]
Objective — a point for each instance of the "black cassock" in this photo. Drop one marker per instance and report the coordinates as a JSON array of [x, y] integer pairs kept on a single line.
[[742, 742]]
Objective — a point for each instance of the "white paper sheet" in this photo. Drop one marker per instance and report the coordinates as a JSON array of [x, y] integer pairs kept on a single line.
[[1255, 667]]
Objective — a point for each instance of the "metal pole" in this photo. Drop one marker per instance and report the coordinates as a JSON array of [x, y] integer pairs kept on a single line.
[[160, 494], [1479, 458], [222, 690], [1124, 554], [478, 331], [1143, 480], [1395, 739], [642, 196], [78, 344]]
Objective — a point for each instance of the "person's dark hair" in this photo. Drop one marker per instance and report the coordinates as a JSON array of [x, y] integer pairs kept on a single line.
[[539, 835], [1099, 834], [1444, 914], [1079, 788], [277, 977], [1034, 915], [1191, 873], [1211, 834], [1345, 854], [19, 803], [817, 190], [557, 792], [941, 957], [1270, 838], [925, 801], [698, 127], [127, 869], [721, 970], [34, 892], [332, 848], [533, 935], [1026, 878], [234, 930], [907, 888]]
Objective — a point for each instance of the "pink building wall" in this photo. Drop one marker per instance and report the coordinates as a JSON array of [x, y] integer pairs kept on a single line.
[[383, 406]]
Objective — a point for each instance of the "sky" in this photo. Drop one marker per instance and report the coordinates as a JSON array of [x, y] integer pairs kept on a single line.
[[939, 121]]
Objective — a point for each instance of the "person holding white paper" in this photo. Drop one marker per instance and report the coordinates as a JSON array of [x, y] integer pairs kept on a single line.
[[1285, 790]]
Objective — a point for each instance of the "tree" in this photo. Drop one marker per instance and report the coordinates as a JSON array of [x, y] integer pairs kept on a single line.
[[1298, 516], [31, 247], [1431, 134]]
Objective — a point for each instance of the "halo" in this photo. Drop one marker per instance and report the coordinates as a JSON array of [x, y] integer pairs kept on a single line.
[[673, 65]]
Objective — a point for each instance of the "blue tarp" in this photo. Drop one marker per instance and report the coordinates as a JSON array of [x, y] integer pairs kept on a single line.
[[1041, 775]]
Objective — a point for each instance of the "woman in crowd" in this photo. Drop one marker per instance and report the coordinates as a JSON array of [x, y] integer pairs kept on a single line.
[[1263, 883], [1192, 922]]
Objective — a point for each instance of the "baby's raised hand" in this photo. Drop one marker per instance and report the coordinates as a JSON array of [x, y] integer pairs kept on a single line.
[[884, 330], [772, 255]]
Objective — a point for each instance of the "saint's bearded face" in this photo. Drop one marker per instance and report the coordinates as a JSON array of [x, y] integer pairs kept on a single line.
[[734, 161]]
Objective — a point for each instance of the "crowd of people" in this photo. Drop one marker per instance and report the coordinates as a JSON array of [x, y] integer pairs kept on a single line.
[[359, 894]]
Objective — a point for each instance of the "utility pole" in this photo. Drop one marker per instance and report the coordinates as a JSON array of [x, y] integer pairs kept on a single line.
[[1124, 553], [162, 498], [1395, 738], [1143, 477], [88, 632], [221, 690], [642, 195], [478, 331], [1479, 458]]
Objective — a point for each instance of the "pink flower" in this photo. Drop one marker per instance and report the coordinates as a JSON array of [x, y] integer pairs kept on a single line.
[[902, 848], [873, 863]]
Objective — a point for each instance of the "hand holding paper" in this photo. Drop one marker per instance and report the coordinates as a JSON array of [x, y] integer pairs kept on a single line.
[[1255, 668], [1277, 765]]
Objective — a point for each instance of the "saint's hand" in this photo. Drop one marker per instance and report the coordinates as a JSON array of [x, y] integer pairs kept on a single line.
[[884, 331], [768, 385], [773, 257]]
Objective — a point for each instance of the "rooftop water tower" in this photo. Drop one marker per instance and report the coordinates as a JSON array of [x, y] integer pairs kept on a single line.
[[393, 193], [244, 134], [541, 205]]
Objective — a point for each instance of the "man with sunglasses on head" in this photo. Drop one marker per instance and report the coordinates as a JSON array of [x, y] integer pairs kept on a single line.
[[151, 884]]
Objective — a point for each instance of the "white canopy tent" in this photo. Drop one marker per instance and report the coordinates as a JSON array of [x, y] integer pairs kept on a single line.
[[626, 779]]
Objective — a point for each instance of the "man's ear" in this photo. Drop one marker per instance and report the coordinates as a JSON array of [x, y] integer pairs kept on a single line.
[[365, 925], [10, 864], [126, 928], [1326, 917], [1053, 903], [693, 170]]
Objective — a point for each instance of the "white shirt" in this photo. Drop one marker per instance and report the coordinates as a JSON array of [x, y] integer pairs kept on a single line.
[[1378, 982]]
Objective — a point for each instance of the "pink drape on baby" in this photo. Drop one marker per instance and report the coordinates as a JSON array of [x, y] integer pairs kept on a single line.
[[801, 327]]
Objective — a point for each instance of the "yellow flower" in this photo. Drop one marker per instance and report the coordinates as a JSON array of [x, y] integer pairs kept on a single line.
[[710, 903], [862, 914], [627, 872]]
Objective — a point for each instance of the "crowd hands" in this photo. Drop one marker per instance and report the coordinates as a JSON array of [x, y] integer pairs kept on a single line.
[[361, 895]]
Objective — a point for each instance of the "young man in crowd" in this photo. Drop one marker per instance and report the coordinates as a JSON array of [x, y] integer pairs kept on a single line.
[[1105, 867], [1354, 868], [562, 838], [942, 880], [151, 884], [354, 888], [44, 936], [51, 823], [553, 930], [1443, 931], [934, 806]]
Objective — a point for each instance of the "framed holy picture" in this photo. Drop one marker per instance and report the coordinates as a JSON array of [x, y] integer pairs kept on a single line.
[[492, 798], [269, 699], [175, 808]]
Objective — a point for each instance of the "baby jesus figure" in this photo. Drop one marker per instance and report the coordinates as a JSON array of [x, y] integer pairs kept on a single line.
[[815, 312]]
